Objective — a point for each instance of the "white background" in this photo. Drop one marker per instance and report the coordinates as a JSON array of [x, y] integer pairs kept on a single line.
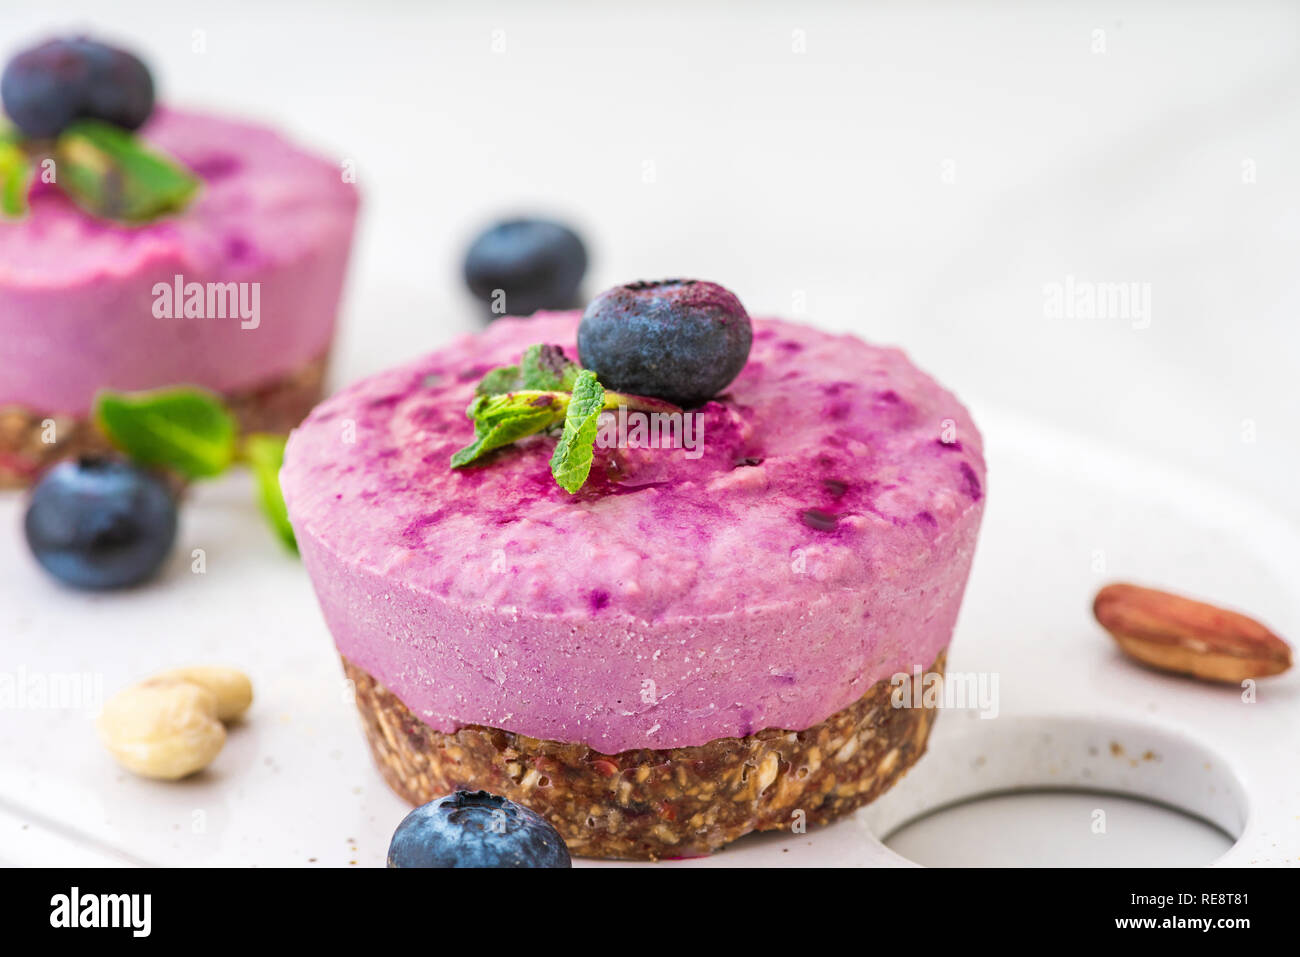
[[917, 176]]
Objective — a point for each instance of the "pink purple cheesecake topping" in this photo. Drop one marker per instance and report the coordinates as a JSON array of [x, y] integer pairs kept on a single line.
[[79, 302], [811, 538]]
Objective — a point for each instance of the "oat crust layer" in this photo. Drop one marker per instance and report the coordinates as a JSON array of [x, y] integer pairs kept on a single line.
[[652, 804]]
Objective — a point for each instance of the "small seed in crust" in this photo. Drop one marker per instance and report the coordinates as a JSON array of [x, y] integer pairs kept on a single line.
[[1189, 637]]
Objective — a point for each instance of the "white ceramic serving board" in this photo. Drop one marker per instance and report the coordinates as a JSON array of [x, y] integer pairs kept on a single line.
[[295, 785], [918, 177]]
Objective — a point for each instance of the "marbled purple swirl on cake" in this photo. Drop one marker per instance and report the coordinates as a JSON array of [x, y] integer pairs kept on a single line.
[[820, 543]]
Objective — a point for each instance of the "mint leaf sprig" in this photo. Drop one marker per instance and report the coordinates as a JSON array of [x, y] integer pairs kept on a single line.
[[15, 175], [192, 432], [503, 419], [546, 392], [542, 368], [189, 431], [571, 461], [106, 170], [264, 453], [110, 173]]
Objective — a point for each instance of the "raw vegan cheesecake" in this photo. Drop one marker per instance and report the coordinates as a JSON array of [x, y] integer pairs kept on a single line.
[[237, 291], [699, 641]]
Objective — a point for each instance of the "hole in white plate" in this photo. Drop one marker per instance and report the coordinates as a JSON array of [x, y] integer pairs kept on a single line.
[[1061, 790], [1180, 799], [1059, 829]]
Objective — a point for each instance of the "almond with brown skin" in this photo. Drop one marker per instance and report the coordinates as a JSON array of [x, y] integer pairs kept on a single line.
[[1189, 637]]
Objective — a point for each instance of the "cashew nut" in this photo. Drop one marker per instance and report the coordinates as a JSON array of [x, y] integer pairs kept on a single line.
[[163, 728], [233, 689]]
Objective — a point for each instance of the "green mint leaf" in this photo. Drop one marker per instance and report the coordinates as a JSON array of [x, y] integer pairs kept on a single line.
[[546, 367], [502, 419], [265, 454], [571, 462], [512, 402], [111, 174], [543, 368], [15, 175], [185, 429], [503, 379]]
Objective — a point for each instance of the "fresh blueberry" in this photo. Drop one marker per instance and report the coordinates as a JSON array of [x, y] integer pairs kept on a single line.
[[535, 263], [47, 87], [476, 829], [100, 523], [683, 340], [120, 90]]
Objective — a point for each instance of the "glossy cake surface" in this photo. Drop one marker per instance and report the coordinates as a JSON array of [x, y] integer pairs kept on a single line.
[[819, 542]]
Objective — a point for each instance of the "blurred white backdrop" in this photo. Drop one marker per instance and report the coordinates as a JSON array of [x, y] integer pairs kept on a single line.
[[915, 175]]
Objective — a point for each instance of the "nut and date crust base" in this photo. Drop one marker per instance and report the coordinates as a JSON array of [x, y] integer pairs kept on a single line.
[[24, 454], [652, 804]]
